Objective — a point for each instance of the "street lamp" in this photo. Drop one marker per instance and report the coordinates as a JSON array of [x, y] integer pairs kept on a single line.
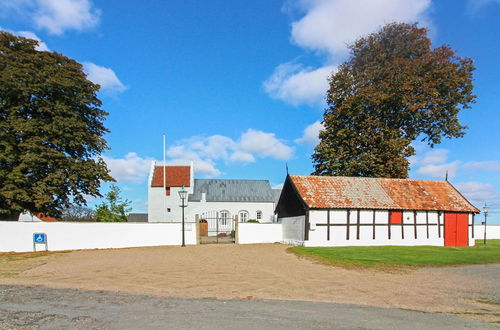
[[183, 194], [485, 211]]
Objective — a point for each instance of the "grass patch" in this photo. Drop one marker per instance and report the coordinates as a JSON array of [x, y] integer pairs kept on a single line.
[[488, 301], [11, 264], [413, 256]]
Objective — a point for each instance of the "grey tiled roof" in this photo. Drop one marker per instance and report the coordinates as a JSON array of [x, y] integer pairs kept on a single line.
[[137, 217], [276, 195], [220, 190]]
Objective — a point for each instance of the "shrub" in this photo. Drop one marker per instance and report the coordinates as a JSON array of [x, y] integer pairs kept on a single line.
[[253, 221]]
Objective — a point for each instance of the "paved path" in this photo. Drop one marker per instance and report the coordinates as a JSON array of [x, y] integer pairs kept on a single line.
[[36, 307]]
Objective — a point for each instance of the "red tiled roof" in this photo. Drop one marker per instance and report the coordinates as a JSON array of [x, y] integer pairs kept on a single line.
[[177, 176], [377, 193], [44, 217]]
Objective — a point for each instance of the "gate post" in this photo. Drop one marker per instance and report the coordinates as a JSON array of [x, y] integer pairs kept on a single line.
[[236, 235], [197, 218]]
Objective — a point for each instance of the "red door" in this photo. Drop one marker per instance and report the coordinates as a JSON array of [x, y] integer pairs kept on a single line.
[[456, 229]]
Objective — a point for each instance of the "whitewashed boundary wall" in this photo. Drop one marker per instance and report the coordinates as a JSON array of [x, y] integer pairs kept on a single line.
[[250, 233], [18, 236], [492, 231], [293, 230]]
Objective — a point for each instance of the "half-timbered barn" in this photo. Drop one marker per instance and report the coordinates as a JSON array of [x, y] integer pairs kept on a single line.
[[350, 211]]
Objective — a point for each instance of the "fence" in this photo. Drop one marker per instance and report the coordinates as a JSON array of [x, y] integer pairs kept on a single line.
[[18, 236]]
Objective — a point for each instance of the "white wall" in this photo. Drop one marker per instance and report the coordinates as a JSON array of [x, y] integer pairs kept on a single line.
[[249, 233], [267, 209], [293, 230], [338, 237], [492, 231], [18, 236]]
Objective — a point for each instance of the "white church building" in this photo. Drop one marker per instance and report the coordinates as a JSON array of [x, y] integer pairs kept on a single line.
[[246, 199]]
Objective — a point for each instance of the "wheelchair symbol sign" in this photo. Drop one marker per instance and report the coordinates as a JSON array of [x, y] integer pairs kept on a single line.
[[40, 238]]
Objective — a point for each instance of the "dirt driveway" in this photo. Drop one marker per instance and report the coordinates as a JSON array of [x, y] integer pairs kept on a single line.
[[264, 271]]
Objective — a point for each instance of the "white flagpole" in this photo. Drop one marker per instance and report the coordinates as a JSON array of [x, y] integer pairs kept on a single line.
[[164, 181]]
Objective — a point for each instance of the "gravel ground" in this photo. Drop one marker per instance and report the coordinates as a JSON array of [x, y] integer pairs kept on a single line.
[[43, 308], [260, 272]]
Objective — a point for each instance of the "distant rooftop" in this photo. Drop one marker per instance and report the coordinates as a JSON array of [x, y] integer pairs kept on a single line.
[[137, 217], [221, 190]]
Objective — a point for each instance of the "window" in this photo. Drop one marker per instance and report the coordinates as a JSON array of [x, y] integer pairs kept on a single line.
[[243, 216], [167, 191], [259, 215], [395, 217], [168, 209], [224, 216]]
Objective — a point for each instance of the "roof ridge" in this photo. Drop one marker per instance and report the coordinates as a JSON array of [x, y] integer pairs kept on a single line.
[[364, 177], [234, 179]]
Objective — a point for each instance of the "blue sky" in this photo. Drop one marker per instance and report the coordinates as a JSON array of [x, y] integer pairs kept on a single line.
[[238, 86]]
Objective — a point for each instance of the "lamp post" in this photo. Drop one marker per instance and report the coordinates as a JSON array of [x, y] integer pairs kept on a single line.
[[485, 211], [183, 194]]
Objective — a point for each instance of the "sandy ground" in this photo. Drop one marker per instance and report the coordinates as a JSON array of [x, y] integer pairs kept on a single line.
[[265, 271]]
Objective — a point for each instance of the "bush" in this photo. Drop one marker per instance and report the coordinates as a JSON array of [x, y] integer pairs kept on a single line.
[[253, 221]]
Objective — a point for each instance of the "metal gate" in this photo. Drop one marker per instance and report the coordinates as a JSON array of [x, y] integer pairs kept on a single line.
[[217, 227]]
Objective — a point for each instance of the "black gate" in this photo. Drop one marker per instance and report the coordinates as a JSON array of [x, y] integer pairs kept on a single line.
[[217, 227]]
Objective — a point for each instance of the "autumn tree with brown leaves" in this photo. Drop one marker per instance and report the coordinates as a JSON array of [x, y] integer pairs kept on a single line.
[[394, 89]]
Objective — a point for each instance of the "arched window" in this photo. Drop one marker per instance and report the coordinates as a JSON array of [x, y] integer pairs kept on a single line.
[[224, 217], [243, 216], [259, 215]]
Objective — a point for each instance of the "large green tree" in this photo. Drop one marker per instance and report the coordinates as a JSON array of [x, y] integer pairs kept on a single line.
[[394, 89], [51, 131]]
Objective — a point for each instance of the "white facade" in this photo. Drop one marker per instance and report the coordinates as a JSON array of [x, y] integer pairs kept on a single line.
[[371, 233], [163, 208], [251, 209]]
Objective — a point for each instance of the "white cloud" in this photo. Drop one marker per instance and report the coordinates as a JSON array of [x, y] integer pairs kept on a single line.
[[434, 156], [311, 134], [326, 27], [435, 163], [243, 157], [56, 16], [440, 170], [265, 145], [329, 25], [206, 151], [476, 191], [132, 168], [103, 76], [295, 84], [489, 165]]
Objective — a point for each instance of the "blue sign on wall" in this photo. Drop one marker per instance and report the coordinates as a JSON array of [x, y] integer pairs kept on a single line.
[[40, 238]]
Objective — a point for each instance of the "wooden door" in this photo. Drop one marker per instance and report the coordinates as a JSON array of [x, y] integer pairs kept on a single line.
[[203, 228], [456, 229], [462, 229]]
